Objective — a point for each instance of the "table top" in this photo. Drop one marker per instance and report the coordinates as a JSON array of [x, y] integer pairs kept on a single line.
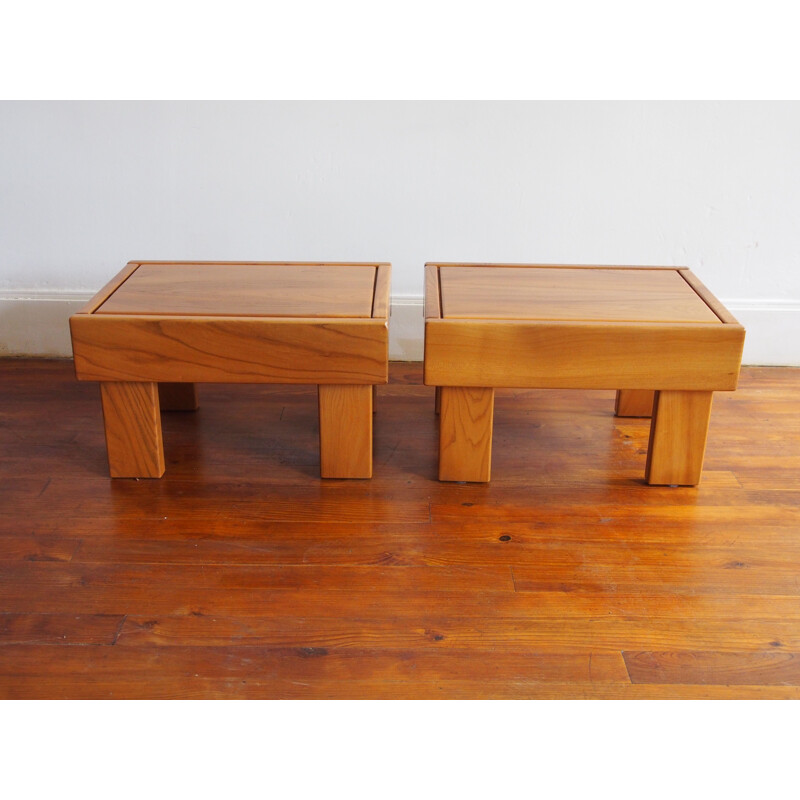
[[601, 294], [257, 289]]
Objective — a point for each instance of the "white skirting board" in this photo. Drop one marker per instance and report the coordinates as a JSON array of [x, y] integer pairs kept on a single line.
[[34, 323]]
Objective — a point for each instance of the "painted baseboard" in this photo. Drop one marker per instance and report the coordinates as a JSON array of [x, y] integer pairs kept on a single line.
[[406, 328], [34, 323], [773, 331]]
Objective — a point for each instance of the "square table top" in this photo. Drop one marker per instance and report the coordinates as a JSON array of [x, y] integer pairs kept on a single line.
[[577, 327], [245, 289], [237, 322], [574, 293]]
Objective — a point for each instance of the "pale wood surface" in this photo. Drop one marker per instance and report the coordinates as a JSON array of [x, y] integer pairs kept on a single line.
[[495, 265], [433, 308], [237, 322], [465, 433], [638, 330], [229, 349], [240, 574], [263, 290], [582, 355], [177, 396], [345, 431], [381, 303], [109, 288], [578, 327], [133, 430], [613, 295], [634, 403], [708, 298], [179, 323], [678, 438]]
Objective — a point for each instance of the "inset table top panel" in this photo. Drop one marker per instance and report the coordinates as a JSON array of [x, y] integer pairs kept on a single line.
[[632, 294], [259, 290]]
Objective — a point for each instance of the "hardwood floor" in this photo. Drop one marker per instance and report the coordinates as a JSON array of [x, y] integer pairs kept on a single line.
[[241, 574]]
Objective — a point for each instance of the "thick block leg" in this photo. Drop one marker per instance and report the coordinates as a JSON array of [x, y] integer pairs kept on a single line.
[[177, 396], [465, 433], [437, 400], [345, 431], [634, 403], [133, 430], [678, 435]]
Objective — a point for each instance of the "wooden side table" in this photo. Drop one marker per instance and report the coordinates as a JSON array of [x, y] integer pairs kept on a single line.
[[655, 334], [160, 327]]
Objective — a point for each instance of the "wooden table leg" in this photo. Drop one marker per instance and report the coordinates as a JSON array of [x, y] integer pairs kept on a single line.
[[634, 403], [177, 396], [133, 429], [345, 431], [678, 435], [465, 433], [437, 400]]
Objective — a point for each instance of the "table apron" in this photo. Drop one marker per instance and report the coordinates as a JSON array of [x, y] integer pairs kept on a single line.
[[229, 349], [683, 356]]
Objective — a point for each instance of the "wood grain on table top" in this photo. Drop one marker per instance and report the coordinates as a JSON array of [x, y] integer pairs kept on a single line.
[[636, 295], [272, 290]]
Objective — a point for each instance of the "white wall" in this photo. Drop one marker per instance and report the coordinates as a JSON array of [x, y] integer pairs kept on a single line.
[[84, 187]]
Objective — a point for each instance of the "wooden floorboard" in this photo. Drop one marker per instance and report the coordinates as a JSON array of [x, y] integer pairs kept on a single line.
[[240, 574]]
